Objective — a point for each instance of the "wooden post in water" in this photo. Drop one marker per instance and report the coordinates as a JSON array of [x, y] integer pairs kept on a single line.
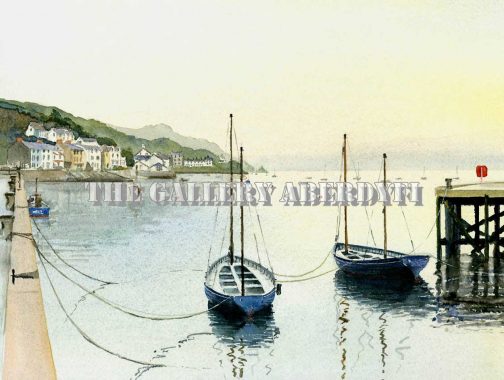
[[496, 252], [487, 235], [450, 234], [476, 223], [438, 227]]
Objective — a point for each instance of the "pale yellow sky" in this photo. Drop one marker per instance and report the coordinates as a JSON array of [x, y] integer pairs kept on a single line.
[[297, 74]]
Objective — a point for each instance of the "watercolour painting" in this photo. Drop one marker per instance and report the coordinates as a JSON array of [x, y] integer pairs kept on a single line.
[[251, 189]]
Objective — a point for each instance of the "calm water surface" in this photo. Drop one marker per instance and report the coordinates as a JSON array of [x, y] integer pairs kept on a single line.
[[329, 327]]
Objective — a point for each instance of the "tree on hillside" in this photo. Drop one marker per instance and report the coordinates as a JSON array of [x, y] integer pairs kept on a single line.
[[128, 155], [57, 118], [106, 141]]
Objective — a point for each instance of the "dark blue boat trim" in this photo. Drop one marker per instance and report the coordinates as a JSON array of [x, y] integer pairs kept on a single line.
[[397, 264], [245, 304]]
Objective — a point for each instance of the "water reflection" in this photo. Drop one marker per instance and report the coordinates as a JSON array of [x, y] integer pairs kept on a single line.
[[393, 295], [364, 309], [469, 289], [242, 335]]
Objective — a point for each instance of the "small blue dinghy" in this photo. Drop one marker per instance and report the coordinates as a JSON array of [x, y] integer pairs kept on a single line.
[[39, 212], [37, 208]]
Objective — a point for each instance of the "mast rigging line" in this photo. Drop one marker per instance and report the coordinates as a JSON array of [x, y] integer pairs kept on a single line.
[[132, 312], [213, 235], [264, 240], [83, 334], [65, 262]]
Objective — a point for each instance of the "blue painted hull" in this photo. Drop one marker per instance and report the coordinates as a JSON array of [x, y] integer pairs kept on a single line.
[[39, 212], [245, 304], [396, 265]]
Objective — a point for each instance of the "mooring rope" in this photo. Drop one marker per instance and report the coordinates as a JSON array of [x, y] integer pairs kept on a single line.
[[338, 226], [311, 278], [432, 227], [308, 272], [69, 265], [86, 336], [132, 312]]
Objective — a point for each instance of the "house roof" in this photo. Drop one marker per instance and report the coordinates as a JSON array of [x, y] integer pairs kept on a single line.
[[73, 146], [39, 146], [163, 156], [142, 158], [143, 148], [60, 130], [87, 139]]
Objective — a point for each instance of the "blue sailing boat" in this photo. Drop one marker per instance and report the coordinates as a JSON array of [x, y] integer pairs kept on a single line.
[[370, 261], [236, 281]]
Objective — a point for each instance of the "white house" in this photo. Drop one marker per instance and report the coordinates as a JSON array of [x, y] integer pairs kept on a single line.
[[152, 162], [41, 155], [92, 152], [62, 134], [142, 154], [36, 129], [199, 162]]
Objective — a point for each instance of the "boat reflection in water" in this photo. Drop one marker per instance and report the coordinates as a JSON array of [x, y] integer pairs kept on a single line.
[[395, 295], [367, 311], [242, 338]]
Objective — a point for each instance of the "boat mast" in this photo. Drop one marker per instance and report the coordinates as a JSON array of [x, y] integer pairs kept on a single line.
[[385, 207], [241, 226], [231, 243], [345, 180]]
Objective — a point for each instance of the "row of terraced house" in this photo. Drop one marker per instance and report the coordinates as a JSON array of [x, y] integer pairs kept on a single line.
[[57, 148]]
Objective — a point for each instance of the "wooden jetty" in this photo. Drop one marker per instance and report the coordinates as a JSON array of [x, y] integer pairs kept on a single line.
[[27, 349], [486, 202]]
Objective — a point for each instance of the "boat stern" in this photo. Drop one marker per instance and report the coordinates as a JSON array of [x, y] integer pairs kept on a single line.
[[250, 305]]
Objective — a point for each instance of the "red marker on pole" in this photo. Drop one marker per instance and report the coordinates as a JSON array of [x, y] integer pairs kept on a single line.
[[481, 171]]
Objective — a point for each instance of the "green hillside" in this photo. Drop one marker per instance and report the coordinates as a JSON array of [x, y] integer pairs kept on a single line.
[[15, 117]]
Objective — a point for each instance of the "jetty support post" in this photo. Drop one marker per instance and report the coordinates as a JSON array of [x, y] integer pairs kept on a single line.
[[438, 228], [452, 233], [496, 251], [477, 223], [487, 234]]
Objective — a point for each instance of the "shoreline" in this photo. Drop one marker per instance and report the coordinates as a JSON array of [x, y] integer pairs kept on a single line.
[[71, 176]]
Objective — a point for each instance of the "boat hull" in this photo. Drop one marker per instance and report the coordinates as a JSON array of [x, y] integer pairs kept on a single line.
[[39, 212], [244, 304], [396, 265]]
